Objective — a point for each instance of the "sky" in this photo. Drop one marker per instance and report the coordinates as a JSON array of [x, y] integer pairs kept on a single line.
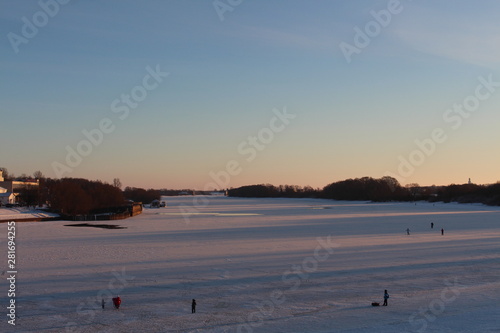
[[226, 93]]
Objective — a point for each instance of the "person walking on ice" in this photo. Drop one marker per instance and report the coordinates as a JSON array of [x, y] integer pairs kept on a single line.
[[386, 297], [193, 306], [432, 225], [408, 231], [442, 231]]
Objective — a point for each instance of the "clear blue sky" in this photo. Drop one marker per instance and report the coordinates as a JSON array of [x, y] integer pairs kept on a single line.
[[354, 113]]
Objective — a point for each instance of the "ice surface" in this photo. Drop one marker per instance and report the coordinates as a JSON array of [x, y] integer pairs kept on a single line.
[[264, 265]]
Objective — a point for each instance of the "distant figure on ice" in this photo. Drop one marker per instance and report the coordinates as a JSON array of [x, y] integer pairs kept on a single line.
[[432, 225], [102, 303], [386, 297], [193, 306], [442, 231], [117, 301], [407, 231]]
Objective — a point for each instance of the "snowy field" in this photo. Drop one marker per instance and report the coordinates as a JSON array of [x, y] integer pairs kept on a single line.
[[9, 214], [263, 265]]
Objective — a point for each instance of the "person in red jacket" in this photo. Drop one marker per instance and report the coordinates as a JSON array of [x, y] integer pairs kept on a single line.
[[117, 301]]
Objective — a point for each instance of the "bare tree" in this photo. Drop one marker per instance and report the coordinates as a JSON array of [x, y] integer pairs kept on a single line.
[[414, 189], [6, 174], [38, 175], [29, 195], [391, 182], [117, 183]]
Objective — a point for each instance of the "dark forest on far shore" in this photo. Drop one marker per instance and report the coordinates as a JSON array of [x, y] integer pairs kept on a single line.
[[378, 190]]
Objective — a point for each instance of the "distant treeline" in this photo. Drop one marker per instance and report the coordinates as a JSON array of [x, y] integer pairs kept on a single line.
[[271, 191], [378, 190], [469, 193], [173, 193], [366, 188], [141, 195]]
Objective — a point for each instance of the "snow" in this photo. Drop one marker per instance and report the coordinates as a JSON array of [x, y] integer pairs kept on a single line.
[[264, 265], [10, 214]]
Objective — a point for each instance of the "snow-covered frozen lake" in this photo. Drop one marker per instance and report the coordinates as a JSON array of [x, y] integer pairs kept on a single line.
[[263, 265]]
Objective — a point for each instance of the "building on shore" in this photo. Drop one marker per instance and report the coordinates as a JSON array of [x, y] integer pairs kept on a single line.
[[6, 197], [9, 189]]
